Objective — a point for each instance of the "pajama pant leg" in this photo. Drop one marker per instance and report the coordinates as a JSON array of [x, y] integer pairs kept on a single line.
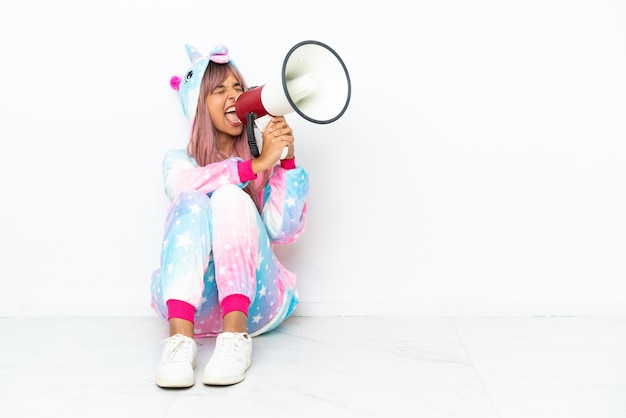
[[235, 232], [185, 252], [242, 263]]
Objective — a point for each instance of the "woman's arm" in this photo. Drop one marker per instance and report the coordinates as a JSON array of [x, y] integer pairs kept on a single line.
[[181, 172]]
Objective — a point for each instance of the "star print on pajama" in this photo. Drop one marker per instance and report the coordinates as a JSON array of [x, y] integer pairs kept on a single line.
[[216, 243]]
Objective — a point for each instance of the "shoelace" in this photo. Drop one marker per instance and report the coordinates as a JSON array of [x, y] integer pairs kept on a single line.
[[177, 349], [229, 347]]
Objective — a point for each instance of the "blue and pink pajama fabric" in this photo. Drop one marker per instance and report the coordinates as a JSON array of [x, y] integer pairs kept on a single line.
[[217, 249]]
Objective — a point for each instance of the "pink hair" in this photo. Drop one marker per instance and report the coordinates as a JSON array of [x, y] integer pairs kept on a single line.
[[203, 141]]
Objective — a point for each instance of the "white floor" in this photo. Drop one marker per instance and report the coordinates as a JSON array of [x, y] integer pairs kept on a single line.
[[332, 367]]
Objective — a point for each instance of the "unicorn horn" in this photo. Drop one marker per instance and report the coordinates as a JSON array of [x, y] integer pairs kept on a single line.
[[193, 53]]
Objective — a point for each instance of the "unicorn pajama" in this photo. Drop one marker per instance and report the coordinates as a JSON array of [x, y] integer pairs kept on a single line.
[[217, 244]]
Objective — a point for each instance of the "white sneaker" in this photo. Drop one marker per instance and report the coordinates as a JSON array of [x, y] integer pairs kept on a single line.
[[177, 362], [230, 360]]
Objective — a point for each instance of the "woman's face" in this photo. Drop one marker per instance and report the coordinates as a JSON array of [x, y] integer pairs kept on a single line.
[[221, 104]]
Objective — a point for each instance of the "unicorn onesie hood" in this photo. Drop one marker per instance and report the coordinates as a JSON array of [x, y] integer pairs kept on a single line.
[[188, 87]]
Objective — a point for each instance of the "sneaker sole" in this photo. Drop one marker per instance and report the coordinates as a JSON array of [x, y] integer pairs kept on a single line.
[[222, 380], [170, 383]]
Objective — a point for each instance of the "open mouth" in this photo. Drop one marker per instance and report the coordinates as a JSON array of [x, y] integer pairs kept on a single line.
[[231, 116]]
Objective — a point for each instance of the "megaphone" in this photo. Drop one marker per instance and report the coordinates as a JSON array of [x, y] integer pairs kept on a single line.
[[314, 82]]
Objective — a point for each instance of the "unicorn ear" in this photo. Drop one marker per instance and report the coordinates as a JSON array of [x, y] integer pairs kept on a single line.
[[193, 53]]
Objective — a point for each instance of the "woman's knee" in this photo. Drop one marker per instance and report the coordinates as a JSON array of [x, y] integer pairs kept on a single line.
[[192, 199], [230, 195], [189, 204]]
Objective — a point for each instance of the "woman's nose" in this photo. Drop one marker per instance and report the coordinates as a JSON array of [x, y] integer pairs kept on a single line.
[[233, 94]]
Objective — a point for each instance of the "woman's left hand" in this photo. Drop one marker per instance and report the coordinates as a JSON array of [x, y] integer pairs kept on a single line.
[[277, 136]]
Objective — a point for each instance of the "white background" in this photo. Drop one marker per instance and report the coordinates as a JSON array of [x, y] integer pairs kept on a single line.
[[480, 168]]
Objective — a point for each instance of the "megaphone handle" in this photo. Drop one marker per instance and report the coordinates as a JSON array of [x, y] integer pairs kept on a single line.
[[254, 150]]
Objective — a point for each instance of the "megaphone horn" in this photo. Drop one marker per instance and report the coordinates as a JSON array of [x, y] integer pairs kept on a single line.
[[314, 82]]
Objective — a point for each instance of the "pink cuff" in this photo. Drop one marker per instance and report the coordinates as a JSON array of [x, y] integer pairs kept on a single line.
[[288, 164], [235, 302], [180, 309], [245, 171]]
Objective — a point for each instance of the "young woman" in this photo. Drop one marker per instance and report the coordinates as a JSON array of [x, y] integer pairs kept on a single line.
[[218, 275]]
